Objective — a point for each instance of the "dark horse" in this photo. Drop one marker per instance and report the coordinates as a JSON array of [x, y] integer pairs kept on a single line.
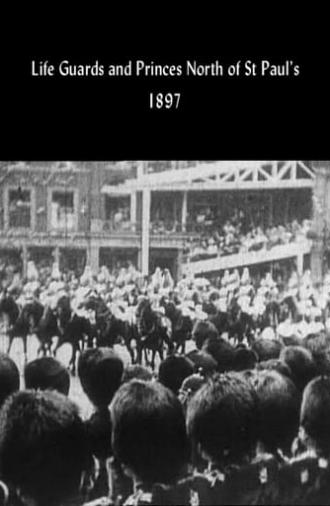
[[181, 325], [152, 333], [67, 326], [9, 309], [46, 330], [22, 322], [271, 316], [107, 329], [240, 324]]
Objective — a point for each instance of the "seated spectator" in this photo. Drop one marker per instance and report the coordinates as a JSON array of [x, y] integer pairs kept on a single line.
[[301, 363], [173, 370], [149, 436], [44, 453], [9, 377], [221, 420], [212, 249], [47, 373]]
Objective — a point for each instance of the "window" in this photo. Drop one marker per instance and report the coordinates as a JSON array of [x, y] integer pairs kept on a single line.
[[62, 210], [19, 208]]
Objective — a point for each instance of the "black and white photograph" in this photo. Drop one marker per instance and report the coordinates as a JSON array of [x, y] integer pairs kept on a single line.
[[164, 332], [164, 261]]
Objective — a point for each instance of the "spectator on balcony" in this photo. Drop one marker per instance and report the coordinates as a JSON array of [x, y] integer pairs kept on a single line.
[[212, 249], [118, 219], [200, 218]]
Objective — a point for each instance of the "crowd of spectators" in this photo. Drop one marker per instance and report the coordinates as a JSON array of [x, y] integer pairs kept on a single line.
[[225, 423], [230, 239], [249, 426], [211, 235]]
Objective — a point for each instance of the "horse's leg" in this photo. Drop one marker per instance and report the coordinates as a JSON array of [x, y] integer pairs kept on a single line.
[[55, 347], [72, 362], [40, 350], [146, 356], [48, 347], [130, 351], [129, 343], [10, 342], [46, 350], [153, 356], [183, 348], [161, 352], [175, 343], [25, 347], [139, 352]]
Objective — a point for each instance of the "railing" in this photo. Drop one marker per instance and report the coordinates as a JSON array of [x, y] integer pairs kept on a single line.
[[158, 227], [274, 254], [121, 228], [160, 165]]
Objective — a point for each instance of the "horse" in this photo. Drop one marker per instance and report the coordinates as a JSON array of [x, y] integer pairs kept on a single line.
[[70, 328], [181, 325], [272, 314], [288, 308], [9, 310], [109, 329], [99, 314], [46, 330], [26, 324], [152, 333], [220, 320], [240, 324]]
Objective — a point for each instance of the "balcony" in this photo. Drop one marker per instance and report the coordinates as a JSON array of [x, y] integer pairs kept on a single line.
[[163, 234]]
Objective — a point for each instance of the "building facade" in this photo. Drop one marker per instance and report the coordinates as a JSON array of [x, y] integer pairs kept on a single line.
[[109, 213], [56, 211]]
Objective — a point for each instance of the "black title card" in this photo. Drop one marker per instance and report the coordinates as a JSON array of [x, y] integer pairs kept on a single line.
[[81, 97]]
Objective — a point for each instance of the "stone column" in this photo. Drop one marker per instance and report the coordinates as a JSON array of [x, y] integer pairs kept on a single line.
[[184, 210], [56, 255], [321, 219], [133, 212], [300, 264], [95, 199], [93, 258], [24, 258], [145, 243], [179, 261], [140, 169], [139, 259]]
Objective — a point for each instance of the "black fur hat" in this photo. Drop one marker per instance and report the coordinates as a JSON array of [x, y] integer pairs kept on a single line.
[[9, 377], [47, 373]]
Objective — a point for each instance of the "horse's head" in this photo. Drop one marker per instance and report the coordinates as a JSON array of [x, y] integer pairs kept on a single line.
[[234, 309], [169, 307], [63, 308], [142, 304], [96, 305]]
